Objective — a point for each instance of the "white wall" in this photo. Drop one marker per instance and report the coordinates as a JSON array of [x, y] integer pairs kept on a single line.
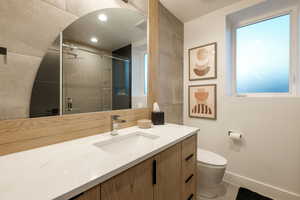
[[268, 159]]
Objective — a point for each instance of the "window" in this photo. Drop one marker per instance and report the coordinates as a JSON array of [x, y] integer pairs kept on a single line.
[[263, 56]]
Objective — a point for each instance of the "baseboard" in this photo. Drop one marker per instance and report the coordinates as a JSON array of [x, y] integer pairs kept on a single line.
[[260, 187]]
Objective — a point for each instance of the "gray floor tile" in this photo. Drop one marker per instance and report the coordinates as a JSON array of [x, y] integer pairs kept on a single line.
[[225, 192]]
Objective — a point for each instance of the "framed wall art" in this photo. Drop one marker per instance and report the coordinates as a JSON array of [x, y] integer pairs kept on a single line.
[[203, 62], [202, 101]]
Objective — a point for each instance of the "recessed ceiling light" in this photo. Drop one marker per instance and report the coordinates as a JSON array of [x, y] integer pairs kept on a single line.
[[94, 39], [102, 17]]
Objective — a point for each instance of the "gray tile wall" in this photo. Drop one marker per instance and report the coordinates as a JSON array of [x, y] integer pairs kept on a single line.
[[170, 70], [87, 80], [16, 81]]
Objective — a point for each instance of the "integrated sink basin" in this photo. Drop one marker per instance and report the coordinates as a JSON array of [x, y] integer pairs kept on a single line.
[[127, 144]]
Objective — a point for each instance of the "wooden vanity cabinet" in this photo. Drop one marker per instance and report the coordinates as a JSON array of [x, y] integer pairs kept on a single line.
[[189, 168], [177, 172], [169, 175], [92, 194], [134, 184]]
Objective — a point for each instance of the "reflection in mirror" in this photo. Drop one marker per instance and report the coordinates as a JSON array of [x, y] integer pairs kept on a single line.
[[45, 98], [98, 63]]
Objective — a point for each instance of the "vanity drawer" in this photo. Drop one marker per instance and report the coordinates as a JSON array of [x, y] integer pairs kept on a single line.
[[189, 156], [189, 147], [189, 189], [92, 194], [189, 168]]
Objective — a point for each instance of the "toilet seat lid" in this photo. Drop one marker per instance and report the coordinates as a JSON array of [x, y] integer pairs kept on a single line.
[[210, 158]]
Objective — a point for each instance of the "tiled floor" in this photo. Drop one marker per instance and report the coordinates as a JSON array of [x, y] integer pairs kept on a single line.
[[226, 192]]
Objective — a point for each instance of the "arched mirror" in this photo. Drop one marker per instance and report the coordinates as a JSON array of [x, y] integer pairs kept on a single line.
[[98, 63]]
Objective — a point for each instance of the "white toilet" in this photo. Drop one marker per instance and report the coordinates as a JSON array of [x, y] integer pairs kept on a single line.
[[211, 169]]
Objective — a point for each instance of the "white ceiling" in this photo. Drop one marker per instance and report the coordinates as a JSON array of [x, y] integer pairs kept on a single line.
[[186, 10], [123, 27]]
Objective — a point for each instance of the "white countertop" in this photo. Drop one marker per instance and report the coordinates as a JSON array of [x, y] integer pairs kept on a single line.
[[61, 171]]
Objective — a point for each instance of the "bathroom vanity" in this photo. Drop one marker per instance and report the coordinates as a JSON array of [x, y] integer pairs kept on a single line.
[[145, 164]]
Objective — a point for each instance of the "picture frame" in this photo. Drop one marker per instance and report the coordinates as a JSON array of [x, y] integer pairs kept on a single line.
[[203, 62], [203, 101]]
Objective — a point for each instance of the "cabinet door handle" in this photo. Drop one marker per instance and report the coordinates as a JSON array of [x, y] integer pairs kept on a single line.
[[154, 172], [189, 157], [189, 178], [77, 196], [191, 197]]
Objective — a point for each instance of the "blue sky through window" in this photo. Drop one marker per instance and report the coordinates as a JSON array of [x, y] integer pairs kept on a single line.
[[263, 56]]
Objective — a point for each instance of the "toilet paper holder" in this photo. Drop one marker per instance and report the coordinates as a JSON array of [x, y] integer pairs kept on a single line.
[[232, 132]]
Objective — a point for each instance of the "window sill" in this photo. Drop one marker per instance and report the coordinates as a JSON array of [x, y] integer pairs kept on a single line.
[[266, 95]]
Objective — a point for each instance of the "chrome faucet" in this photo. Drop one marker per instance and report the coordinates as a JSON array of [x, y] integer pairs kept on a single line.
[[115, 121]]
